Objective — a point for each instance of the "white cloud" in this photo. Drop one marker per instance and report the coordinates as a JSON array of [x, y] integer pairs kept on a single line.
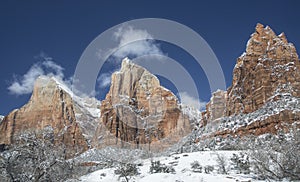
[[104, 80], [191, 101], [144, 45], [58, 70], [24, 84], [132, 42]]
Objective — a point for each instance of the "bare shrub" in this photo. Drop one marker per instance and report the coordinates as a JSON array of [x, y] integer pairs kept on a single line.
[[277, 156]]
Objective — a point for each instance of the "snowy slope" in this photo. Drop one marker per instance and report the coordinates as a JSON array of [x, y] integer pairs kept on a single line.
[[194, 114], [182, 165], [287, 102], [90, 103]]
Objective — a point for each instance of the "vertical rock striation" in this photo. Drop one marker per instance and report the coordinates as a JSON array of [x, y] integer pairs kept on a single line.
[[270, 65], [138, 111], [49, 106]]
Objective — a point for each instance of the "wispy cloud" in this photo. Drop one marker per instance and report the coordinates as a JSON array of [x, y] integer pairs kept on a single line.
[[46, 66], [191, 101], [132, 42], [104, 80], [143, 45]]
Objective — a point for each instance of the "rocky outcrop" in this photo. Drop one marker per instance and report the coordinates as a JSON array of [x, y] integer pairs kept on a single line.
[[267, 73], [269, 65], [138, 111], [216, 107], [49, 106], [87, 114]]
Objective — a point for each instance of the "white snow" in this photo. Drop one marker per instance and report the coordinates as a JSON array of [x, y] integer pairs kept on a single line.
[[287, 102], [87, 109], [1, 118], [194, 114], [183, 172], [90, 104]]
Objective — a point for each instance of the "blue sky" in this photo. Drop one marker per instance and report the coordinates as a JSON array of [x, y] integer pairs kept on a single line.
[[63, 29]]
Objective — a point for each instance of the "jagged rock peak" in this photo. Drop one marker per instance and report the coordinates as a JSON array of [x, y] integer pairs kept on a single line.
[[264, 41], [137, 99], [269, 66], [265, 91], [133, 80], [50, 105], [216, 107]]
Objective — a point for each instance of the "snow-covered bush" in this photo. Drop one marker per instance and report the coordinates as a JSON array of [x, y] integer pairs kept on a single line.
[[277, 156], [222, 164], [126, 170], [157, 167], [196, 167], [241, 163], [208, 169], [35, 158]]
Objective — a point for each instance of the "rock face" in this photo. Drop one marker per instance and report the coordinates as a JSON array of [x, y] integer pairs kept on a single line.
[[269, 65], [216, 107], [267, 73], [87, 114], [49, 106], [138, 111]]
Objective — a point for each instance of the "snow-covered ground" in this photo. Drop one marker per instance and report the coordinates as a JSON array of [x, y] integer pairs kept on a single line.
[[183, 172], [286, 102]]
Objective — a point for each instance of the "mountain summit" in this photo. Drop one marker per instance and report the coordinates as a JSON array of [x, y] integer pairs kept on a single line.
[[138, 110], [49, 106], [269, 66], [265, 91], [139, 113]]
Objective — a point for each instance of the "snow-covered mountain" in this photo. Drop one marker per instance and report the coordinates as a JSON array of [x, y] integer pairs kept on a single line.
[[138, 113], [52, 104], [86, 109], [265, 91]]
